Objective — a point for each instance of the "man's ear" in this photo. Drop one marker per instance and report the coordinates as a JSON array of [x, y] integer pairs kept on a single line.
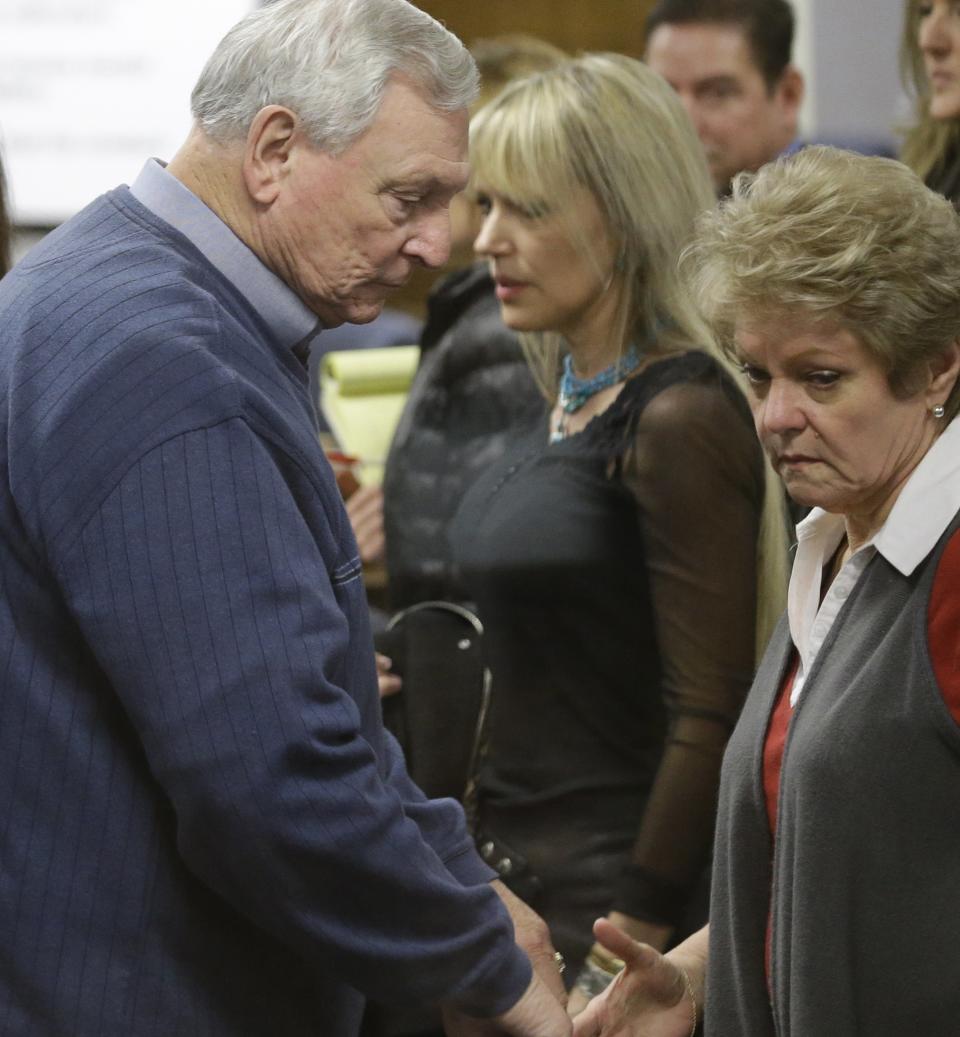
[[790, 90], [266, 155]]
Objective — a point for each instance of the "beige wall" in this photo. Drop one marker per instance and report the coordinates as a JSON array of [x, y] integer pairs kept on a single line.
[[571, 24]]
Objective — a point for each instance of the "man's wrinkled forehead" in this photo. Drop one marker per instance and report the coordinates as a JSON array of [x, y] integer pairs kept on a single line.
[[412, 144], [432, 159]]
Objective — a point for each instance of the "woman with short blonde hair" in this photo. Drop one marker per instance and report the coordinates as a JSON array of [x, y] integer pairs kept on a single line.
[[812, 238]]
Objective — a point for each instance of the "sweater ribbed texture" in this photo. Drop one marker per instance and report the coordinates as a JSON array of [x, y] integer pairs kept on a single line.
[[204, 828]]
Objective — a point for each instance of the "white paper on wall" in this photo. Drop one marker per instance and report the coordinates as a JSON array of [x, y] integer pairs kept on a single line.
[[91, 88]]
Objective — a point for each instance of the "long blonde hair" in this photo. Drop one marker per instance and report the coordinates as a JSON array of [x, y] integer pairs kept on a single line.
[[929, 142], [608, 123]]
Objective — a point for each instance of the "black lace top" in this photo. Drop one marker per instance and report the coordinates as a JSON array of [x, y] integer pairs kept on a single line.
[[615, 575]]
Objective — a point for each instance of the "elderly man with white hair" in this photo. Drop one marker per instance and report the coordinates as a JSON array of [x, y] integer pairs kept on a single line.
[[206, 830]]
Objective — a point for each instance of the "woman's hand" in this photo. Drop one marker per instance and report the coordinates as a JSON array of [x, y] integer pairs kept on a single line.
[[651, 997], [388, 683], [653, 935]]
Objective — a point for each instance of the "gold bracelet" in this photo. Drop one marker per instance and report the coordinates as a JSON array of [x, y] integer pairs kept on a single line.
[[688, 987], [606, 962]]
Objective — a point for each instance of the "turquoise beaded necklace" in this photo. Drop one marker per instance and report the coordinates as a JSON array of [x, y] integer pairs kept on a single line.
[[574, 391]]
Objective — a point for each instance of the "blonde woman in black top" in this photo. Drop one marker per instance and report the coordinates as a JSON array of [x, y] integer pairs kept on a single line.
[[616, 553]]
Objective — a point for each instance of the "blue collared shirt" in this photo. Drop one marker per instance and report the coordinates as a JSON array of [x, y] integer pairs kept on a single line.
[[290, 319]]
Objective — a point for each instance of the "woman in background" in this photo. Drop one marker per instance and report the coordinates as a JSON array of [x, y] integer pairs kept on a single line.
[[930, 59], [616, 552]]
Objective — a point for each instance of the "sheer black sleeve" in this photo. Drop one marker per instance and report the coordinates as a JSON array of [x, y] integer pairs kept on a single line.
[[696, 471]]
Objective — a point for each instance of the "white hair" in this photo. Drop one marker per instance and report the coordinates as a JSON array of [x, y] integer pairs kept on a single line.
[[329, 61]]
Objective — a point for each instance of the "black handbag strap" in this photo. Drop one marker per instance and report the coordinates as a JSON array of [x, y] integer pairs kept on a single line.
[[438, 649]]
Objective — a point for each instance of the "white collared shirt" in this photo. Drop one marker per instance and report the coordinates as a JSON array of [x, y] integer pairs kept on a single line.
[[927, 504]]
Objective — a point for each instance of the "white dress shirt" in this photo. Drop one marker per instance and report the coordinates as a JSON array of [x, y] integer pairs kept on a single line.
[[927, 504]]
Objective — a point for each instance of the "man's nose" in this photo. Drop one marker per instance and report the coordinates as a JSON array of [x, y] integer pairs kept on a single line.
[[430, 242]]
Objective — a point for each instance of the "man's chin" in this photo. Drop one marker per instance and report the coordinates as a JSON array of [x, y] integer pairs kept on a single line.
[[352, 311]]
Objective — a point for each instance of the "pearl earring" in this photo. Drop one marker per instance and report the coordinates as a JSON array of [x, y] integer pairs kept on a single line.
[[938, 411]]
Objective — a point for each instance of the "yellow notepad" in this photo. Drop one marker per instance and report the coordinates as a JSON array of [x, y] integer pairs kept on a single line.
[[362, 393]]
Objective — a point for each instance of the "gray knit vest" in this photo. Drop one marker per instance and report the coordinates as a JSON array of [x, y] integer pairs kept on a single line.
[[865, 878]]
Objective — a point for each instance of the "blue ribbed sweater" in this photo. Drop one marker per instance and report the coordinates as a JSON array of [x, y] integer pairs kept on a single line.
[[203, 828]]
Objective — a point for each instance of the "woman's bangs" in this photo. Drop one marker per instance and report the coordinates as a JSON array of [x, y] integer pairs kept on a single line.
[[514, 153]]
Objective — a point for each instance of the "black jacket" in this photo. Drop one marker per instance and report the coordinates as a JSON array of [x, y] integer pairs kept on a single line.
[[470, 394]]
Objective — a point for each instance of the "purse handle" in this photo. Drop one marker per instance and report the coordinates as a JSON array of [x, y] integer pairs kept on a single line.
[[470, 798]]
